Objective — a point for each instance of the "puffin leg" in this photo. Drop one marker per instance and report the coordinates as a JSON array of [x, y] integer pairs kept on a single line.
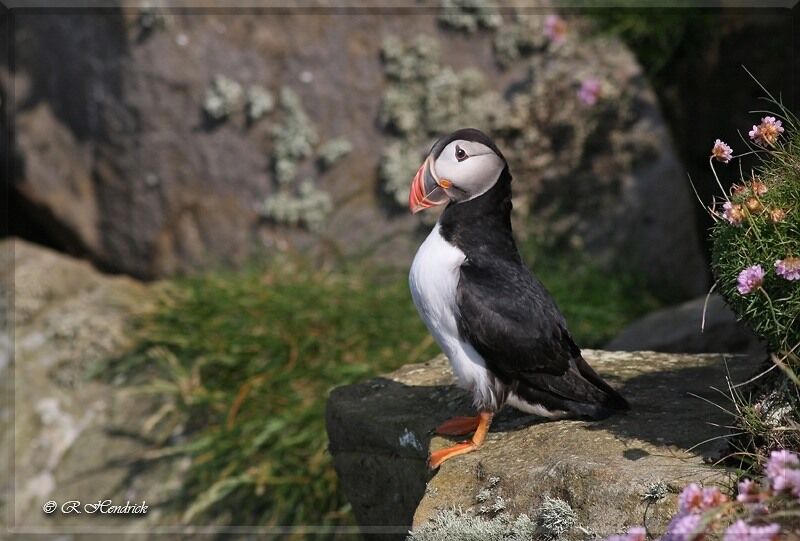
[[459, 426], [438, 457]]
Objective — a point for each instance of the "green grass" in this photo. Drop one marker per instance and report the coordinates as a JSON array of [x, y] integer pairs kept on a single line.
[[243, 363]]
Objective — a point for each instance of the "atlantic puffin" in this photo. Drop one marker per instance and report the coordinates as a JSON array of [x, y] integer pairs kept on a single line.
[[503, 333]]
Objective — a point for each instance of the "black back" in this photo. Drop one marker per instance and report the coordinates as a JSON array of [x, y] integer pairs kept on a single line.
[[509, 316]]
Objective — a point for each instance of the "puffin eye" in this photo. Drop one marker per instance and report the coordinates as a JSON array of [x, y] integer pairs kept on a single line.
[[460, 154]]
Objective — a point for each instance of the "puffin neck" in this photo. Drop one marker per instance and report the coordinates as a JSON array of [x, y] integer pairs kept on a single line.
[[482, 223]]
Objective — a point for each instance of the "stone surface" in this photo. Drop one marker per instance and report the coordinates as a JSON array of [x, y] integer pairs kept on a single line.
[[117, 160], [69, 436], [681, 329], [380, 434]]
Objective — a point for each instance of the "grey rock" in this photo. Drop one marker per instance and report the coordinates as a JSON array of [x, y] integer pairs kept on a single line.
[[380, 433], [118, 162], [69, 436], [681, 329]]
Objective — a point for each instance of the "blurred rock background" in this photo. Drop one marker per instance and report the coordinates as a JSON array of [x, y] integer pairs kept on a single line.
[[160, 143]]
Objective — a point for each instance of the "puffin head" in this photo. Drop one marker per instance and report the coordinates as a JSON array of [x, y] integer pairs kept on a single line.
[[460, 166]]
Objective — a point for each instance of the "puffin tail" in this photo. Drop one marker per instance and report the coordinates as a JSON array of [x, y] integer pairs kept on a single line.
[[611, 402], [579, 391]]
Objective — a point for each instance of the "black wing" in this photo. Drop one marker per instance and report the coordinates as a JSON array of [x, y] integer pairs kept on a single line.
[[513, 322]]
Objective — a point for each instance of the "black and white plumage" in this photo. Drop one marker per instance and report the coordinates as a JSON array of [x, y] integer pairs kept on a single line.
[[503, 333]]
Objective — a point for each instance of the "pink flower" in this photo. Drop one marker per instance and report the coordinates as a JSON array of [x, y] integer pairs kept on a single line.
[[783, 472], [690, 499], [750, 279], [758, 187], [634, 534], [788, 268], [589, 92], [733, 213], [742, 531], [721, 151], [684, 528], [712, 497], [555, 28], [748, 492], [767, 132]]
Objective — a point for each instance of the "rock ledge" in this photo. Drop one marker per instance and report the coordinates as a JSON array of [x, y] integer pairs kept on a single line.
[[380, 434]]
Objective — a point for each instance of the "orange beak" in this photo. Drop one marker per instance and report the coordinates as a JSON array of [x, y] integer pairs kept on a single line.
[[426, 190]]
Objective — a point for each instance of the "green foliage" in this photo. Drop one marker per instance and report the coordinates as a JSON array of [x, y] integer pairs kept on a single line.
[[658, 36], [761, 226], [762, 238], [245, 362]]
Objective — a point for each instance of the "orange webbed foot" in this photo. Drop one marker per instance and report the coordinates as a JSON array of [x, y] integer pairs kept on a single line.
[[458, 426], [482, 422]]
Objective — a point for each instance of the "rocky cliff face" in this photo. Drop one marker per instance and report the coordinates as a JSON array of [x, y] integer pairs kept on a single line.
[[156, 142], [562, 479], [67, 436]]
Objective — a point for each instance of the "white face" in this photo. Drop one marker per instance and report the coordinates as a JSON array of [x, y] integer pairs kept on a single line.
[[472, 169]]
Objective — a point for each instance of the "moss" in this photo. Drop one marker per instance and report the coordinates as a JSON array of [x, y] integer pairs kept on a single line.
[[222, 98], [470, 15]]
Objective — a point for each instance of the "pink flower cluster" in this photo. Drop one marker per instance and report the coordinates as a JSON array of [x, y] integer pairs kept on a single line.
[[733, 213], [555, 28], [700, 509], [589, 92], [783, 472], [750, 279], [767, 132], [721, 151], [742, 531], [634, 534], [788, 268]]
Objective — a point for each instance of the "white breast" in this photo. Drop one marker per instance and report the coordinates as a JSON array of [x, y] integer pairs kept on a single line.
[[433, 280]]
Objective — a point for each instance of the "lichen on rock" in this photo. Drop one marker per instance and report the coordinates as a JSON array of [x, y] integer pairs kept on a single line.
[[294, 138], [332, 151], [555, 518], [457, 525], [519, 39], [259, 102], [470, 15], [423, 99], [222, 97], [309, 207]]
